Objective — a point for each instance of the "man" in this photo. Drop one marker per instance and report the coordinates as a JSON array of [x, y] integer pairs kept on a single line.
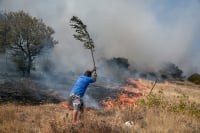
[[78, 92]]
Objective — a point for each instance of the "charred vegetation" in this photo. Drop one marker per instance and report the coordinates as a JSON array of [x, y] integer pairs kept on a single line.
[[24, 91]]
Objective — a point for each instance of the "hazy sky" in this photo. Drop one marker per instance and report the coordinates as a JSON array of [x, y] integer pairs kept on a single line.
[[147, 32]]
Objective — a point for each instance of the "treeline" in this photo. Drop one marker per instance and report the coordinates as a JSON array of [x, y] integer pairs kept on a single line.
[[121, 68], [168, 71], [23, 38]]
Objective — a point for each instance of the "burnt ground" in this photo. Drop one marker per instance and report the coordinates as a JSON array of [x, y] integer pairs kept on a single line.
[[101, 92], [26, 92], [32, 91]]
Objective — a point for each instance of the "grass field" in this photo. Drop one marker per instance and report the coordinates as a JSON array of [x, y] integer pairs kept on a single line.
[[172, 108]]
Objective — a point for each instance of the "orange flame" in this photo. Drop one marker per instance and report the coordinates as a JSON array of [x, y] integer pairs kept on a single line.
[[65, 105], [135, 88], [166, 82], [130, 93], [138, 83]]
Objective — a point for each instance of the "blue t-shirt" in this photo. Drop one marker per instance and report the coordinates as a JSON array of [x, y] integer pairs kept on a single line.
[[81, 85]]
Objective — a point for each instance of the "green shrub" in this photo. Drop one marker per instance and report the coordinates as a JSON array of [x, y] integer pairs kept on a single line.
[[194, 78], [181, 104], [152, 100]]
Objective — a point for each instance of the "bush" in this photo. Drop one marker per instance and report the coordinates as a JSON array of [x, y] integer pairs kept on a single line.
[[194, 78], [152, 100], [181, 104]]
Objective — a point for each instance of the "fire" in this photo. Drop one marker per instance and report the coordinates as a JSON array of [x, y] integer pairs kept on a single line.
[[65, 105], [165, 82], [129, 95], [138, 83]]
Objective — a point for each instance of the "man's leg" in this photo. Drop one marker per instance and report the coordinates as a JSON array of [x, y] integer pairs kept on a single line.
[[74, 116], [82, 111], [76, 105]]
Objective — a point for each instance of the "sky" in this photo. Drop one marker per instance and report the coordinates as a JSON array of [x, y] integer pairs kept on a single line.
[[147, 32]]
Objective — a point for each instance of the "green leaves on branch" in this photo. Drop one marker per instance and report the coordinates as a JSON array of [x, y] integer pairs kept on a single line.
[[82, 33], [24, 37]]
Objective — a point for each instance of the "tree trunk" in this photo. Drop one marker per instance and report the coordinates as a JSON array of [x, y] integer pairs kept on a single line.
[[29, 66]]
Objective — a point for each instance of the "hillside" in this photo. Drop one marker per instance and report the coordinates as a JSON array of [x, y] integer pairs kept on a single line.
[[172, 107]]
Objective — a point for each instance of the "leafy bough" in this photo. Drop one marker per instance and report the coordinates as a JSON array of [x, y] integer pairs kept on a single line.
[[82, 35]]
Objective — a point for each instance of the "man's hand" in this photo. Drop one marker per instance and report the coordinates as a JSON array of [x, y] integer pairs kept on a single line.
[[94, 69], [95, 74]]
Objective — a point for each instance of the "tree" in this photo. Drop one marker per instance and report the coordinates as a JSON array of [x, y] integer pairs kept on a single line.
[[194, 78], [120, 62], [5, 29], [28, 37], [171, 71]]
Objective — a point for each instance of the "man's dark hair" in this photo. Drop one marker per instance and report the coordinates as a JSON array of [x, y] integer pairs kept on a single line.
[[88, 73]]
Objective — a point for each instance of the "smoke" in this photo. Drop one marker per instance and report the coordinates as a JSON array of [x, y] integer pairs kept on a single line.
[[147, 33]]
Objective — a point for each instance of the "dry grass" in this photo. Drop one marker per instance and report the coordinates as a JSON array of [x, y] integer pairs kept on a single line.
[[176, 89], [25, 119], [51, 118]]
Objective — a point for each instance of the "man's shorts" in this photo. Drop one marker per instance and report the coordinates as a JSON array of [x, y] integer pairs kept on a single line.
[[76, 102]]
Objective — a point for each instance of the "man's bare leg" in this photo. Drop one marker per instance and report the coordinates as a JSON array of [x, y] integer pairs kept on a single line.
[[74, 118], [82, 114]]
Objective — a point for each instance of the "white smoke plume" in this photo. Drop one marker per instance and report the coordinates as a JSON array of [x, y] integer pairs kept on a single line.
[[145, 32]]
